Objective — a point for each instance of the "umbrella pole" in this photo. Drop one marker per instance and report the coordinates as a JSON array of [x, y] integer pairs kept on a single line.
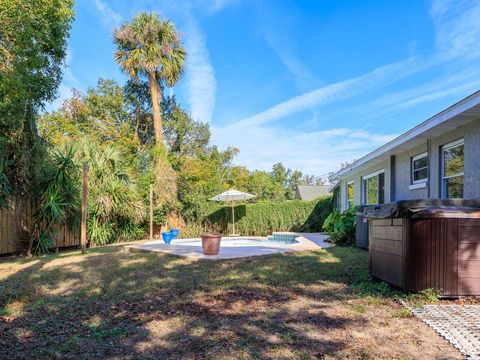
[[233, 219]]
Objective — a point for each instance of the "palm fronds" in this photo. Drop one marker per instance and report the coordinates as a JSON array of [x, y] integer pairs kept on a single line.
[[149, 44], [58, 187], [113, 193]]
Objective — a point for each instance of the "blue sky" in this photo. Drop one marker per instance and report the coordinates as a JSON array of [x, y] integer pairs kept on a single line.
[[309, 83]]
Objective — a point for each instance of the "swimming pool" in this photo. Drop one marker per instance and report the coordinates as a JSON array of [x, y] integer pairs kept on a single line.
[[237, 242], [231, 247]]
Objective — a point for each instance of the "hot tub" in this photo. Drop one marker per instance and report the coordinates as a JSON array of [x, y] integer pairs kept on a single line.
[[421, 244]]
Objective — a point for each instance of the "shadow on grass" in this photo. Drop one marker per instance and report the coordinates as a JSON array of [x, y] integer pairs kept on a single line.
[[116, 304]]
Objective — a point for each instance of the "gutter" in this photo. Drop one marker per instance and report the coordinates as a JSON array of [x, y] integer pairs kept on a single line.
[[440, 118]]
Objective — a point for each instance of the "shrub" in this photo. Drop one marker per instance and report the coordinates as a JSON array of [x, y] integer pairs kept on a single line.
[[341, 226], [129, 230], [5, 188], [58, 198], [161, 213], [262, 218]]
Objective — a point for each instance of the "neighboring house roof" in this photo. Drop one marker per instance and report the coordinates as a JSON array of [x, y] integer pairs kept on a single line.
[[310, 192], [456, 115]]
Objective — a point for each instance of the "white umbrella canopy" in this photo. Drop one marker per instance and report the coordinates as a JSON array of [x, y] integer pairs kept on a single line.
[[231, 196]]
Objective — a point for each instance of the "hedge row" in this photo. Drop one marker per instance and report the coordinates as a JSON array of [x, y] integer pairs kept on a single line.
[[262, 218]]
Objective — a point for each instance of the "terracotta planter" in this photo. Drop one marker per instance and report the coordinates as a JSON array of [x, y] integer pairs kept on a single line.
[[211, 243]]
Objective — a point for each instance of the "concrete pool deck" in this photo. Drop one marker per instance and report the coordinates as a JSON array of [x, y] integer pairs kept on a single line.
[[306, 241]]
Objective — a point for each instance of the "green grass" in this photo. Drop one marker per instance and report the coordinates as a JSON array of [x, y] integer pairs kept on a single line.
[[402, 313], [5, 312], [426, 296], [113, 304]]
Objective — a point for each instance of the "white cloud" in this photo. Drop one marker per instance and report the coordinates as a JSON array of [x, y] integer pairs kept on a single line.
[[109, 16], [199, 73], [336, 91], [316, 153], [395, 102], [263, 142], [457, 27], [275, 26], [219, 5]]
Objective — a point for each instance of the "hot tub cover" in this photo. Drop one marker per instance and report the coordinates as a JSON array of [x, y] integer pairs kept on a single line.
[[424, 207]]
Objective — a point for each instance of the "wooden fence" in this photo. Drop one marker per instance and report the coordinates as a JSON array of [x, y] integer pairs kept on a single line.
[[16, 227]]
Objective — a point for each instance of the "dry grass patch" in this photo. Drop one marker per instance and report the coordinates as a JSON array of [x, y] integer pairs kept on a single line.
[[112, 304]]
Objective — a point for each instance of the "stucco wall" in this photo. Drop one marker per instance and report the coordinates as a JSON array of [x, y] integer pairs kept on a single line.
[[470, 133], [403, 178]]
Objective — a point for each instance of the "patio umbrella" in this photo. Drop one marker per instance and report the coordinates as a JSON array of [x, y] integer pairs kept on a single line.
[[231, 196]]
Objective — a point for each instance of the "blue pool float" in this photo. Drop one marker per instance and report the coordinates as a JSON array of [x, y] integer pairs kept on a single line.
[[167, 237], [175, 232]]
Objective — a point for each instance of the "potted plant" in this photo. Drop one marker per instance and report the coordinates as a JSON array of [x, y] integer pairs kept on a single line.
[[211, 243]]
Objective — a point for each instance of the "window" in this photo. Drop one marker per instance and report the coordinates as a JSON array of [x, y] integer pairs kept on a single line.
[[350, 194], [374, 188], [452, 170], [419, 168]]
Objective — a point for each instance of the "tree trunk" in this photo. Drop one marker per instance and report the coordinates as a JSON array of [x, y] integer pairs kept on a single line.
[[157, 117]]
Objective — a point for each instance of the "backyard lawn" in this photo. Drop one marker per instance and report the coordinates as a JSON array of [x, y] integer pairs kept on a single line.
[[113, 304]]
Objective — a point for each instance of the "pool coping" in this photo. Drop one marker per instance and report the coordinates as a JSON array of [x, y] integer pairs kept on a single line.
[[195, 252]]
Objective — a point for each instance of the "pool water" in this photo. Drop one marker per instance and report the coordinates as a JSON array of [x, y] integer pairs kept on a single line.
[[226, 242]]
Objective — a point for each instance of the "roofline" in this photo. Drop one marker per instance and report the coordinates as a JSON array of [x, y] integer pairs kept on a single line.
[[312, 185], [443, 116]]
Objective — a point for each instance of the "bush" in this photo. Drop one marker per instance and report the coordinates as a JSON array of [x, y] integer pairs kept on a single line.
[[262, 218], [341, 226], [129, 230]]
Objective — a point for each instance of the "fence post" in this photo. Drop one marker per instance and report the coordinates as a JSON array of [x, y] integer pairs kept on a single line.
[[83, 233], [151, 211]]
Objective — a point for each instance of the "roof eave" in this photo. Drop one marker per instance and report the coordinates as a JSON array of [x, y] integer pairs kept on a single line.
[[444, 116]]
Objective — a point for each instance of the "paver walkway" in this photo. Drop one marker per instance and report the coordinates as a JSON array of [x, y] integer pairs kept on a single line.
[[458, 324], [317, 238], [226, 252]]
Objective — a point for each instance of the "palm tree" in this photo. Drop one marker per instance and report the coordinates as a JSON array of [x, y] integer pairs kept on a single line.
[[151, 47]]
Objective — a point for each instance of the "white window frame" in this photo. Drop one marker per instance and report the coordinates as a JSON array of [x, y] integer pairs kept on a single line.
[[363, 184], [373, 174], [412, 169], [448, 146], [346, 194]]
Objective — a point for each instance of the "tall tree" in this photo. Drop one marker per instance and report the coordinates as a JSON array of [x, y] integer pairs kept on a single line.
[[260, 183], [183, 135], [33, 42], [293, 181], [149, 46]]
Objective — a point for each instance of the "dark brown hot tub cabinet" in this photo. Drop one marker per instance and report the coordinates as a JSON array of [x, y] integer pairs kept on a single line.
[[423, 244]]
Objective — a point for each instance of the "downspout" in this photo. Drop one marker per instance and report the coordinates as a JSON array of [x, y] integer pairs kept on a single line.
[[392, 178], [429, 158]]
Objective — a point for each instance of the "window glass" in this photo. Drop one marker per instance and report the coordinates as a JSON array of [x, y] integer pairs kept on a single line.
[[420, 163], [374, 189], [350, 194], [453, 162], [421, 174], [454, 187], [371, 190], [419, 168]]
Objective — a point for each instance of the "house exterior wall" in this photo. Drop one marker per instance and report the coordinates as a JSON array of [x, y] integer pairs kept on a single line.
[[471, 134], [357, 180], [403, 177], [402, 168]]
